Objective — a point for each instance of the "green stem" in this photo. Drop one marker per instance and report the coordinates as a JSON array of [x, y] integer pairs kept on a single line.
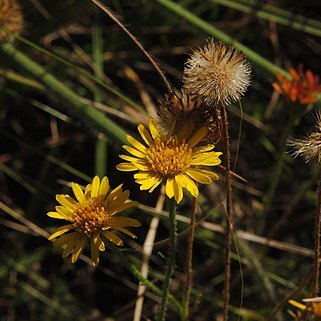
[[135, 272], [276, 173], [171, 260], [80, 71], [274, 14]]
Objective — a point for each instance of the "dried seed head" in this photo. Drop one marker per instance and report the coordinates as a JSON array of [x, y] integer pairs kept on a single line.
[[11, 18], [310, 146], [219, 73], [189, 113]]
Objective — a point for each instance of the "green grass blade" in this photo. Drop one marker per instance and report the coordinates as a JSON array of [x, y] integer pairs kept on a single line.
[[97, 45], [205, 26], [81, 71], [86, 112], [274, 14]]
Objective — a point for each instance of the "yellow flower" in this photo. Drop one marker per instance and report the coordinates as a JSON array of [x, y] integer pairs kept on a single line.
[[91, 215], [174, 158], [11, 18]]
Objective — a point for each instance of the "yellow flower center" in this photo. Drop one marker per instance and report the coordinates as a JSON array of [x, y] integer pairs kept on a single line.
[[168, 156], [90, 217]]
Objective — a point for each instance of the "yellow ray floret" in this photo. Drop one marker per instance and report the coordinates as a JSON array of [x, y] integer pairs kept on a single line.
[[177, 160], [91, 217]]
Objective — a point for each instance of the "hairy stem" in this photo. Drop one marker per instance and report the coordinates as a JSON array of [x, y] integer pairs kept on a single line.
[[317, 226], [228, 230], [171, 260], [189, 262], [135, 272]]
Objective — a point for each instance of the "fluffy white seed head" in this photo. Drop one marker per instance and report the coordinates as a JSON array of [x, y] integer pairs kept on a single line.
[[217, 72], [310, 146]]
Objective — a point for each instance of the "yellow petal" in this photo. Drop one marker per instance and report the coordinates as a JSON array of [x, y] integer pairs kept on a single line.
[[94, 253], [60, 230], [126, 167], [298, 305], [178, 192], [158, 180], [203, 149], [142, 165], [192, 188], [71, 245], [116, 222], [201, 175], [124, 207], [77, 192], [128, 158], [134, 151], [197, 137], [170, 187], [112, 237], [143, 175], [185, 181], [145, 135], [56, 215], [114, 194], [67, 212], [65, 239], [66, 201], [78, 249], [148, 175], [98, 242], [206, 159], [118, 202], [104, 187], [148, 183], [134, 142], [87, 189], [95, 185], [153, 128], [125, 231]]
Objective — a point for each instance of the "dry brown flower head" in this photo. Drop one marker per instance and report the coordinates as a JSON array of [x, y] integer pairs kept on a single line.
[[310, 146], [11, 18], [188, 112], [219, 73]]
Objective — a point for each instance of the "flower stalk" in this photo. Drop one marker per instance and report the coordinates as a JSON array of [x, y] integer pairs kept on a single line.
[[189, 262], [228, 229], [317, 228], [171, 260], [135, 272]]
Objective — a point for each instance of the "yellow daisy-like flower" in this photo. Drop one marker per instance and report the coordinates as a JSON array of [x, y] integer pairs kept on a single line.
[[91, 215], [174, 158]]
